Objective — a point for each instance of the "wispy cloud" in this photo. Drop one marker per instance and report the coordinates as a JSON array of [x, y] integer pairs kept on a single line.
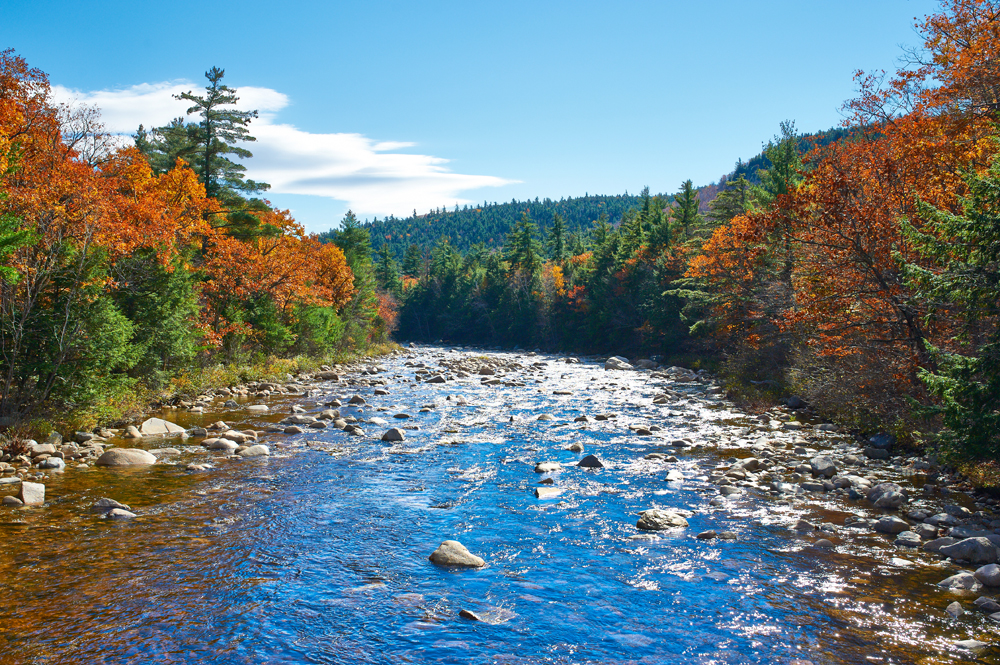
[[371, 176]]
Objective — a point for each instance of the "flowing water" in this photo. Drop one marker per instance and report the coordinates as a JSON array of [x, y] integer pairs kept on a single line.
[[318, 554]]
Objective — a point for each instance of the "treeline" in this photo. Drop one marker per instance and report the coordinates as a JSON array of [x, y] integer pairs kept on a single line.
[[489, 223], [127, 268], [865, 277]]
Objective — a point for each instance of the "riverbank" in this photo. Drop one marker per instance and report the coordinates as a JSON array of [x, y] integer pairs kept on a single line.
[[492, 454]]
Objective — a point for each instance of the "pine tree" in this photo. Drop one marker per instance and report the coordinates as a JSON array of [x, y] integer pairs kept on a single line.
[[220, 131], [557, 238]]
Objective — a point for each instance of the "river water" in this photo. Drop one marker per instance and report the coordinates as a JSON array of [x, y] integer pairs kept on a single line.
[[318, 554]]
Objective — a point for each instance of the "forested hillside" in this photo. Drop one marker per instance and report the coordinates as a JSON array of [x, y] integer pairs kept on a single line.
[[489, 223]]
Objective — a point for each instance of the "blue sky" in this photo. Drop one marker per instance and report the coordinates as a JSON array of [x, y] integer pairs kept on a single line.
[[390, 106]]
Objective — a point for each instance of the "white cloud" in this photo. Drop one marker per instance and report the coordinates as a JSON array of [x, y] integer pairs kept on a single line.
[[371, 176]]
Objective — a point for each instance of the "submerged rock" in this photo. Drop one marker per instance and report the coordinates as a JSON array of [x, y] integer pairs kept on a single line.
[[454, 553], [126, 457]]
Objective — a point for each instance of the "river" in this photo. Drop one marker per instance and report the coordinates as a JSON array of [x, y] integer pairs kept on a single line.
[[319, 553]]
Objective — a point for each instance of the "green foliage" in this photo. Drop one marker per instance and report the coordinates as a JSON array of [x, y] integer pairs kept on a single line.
[[966, 379], [359, 314], [206, 144], [161, 301], [490, 223]]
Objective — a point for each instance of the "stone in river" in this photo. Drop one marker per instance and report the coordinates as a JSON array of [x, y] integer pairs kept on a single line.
[[575, 447], [887, 495], [32, 494], [955, 609], [823, 466], [729, 490], [545, 416], [547, 492], [258, 408], [907, 539], [132, 432], [591, 462], [159, 427], [470, 615], [118, 514], [439, 378], [357, 399], [226, 445], [989, 575], [971, 645], [394, 434], [707, 535], [961, 581], [988, 605], [642, 431], [104, 505], [298, 420], [547, 467], [319, 424], [259, 450], [401, 416], [52, 463], [582, 419], [674, 476], [892, 525], [454, 553], [294, 429], [126, 457], [656, 519], [803, 525], [823, 543], [974, 550], [12, 501]]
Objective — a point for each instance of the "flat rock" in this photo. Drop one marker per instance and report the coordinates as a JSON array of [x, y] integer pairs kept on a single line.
[[105, 504], [258, 408], [961, 581], [454, 553], [159, 427], [974, 550], [119, 514], [126, 457], [656, 519], [547, 492]]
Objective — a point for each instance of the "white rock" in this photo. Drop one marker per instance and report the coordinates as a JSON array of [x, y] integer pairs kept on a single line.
[[125, 457], [454, 553], [32, 494], [159, 427], [259, 450]]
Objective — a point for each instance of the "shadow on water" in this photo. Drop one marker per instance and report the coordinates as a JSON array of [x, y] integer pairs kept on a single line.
[[319, 553]]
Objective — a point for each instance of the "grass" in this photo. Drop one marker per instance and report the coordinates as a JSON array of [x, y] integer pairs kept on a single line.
[[120, 406]]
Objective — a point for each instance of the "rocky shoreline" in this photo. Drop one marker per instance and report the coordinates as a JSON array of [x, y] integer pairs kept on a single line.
[[906, 501]]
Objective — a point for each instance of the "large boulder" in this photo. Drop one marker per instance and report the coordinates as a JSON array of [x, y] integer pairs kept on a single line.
[[963, 580], [159, 427], [32, 494], [617, 362], [821, 465], [656, 519], [891, 525], [973, 550], [454, 553], [126, 457], [887, 495], [989, 575]]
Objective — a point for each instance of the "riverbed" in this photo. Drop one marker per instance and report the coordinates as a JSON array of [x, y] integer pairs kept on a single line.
[[318, 553]]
